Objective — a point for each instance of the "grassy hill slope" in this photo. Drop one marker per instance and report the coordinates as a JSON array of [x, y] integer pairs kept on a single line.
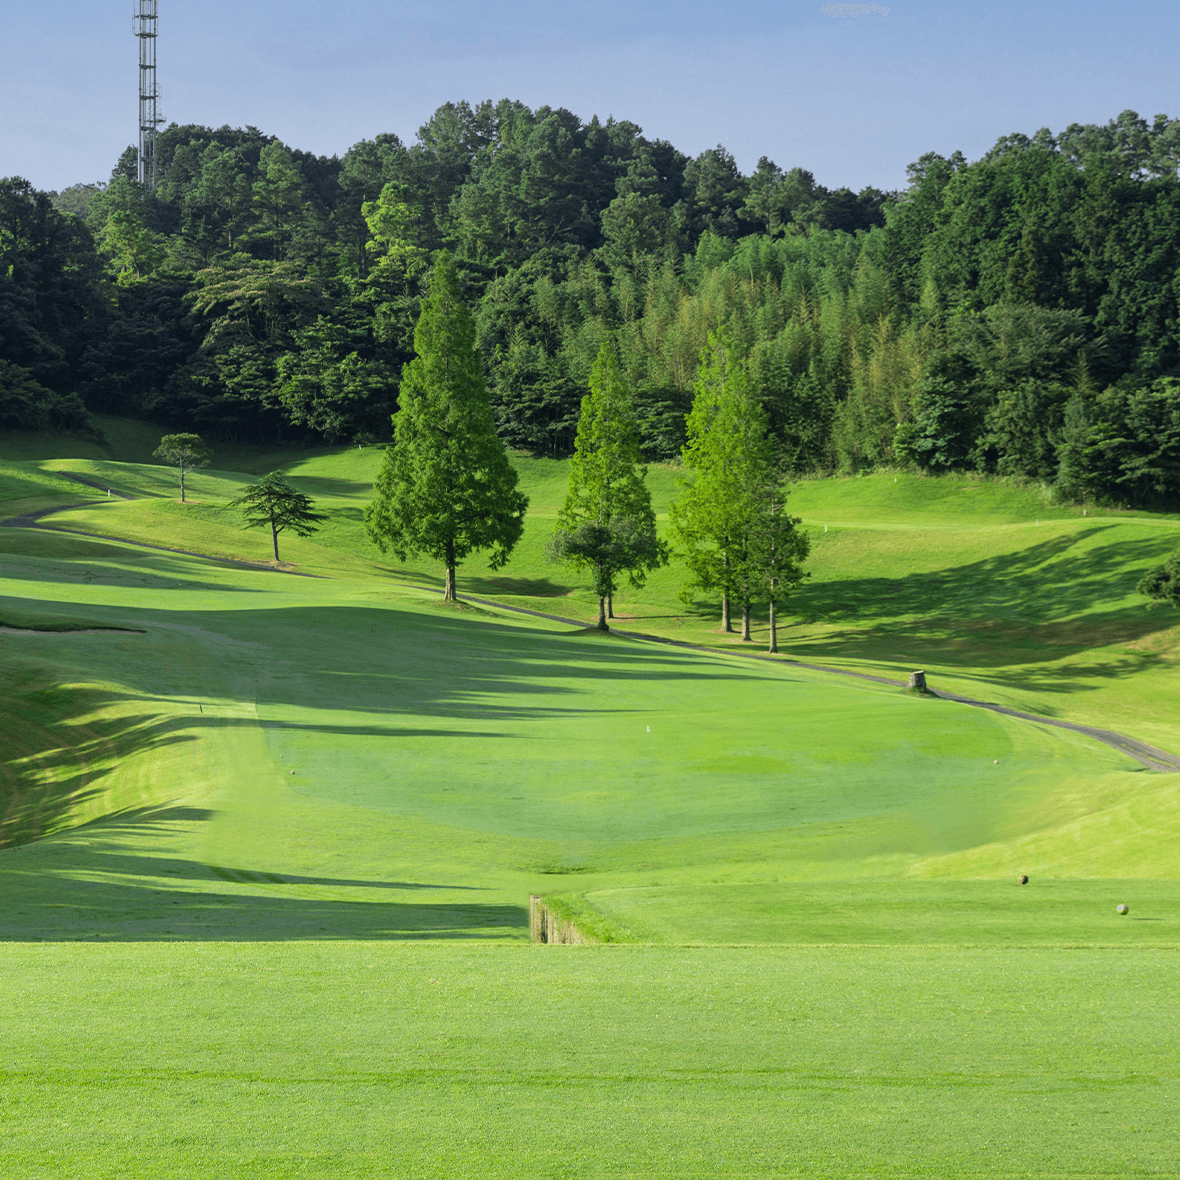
[[270, 838], [982, 584]]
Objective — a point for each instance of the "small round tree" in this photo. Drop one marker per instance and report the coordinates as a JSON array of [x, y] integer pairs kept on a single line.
[[186, 451], [1162, 584]]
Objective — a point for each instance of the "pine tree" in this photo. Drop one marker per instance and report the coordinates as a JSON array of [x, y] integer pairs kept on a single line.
[[446, 487], [777, 548], [273, 503], [607, 523], [726, 437]]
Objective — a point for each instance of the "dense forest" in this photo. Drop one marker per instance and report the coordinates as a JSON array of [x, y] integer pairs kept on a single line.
[[1017, 315]]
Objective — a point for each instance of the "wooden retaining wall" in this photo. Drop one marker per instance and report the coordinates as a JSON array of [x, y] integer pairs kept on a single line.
[[545, 926]]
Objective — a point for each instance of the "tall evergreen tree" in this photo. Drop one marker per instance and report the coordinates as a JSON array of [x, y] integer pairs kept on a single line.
[[607, 523], [446, 487], [777, 549], [731, 462]]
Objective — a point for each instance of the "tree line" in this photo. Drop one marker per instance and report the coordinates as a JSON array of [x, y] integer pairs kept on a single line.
[[1017, 315], [446, 487]]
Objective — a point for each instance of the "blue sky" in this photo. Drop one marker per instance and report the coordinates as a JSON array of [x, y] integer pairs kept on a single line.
[[854, 99]]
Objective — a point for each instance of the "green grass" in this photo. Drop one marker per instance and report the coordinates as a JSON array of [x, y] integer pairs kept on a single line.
[[281, 1060], [269, 853], [954, 576]]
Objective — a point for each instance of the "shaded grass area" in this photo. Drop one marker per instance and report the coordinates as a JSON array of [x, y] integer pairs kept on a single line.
[[26, 489], [952, 575], [331, 735], [29, 445]]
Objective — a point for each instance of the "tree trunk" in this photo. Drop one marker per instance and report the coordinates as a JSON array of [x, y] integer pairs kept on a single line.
[[745, 622], [602, 624], [449, 594], [773, 630], [610, 606], [726, 625], [182, 483], [274, 536]]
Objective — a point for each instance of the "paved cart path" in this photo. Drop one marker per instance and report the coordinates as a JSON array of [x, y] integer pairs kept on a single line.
[[1150, 756]]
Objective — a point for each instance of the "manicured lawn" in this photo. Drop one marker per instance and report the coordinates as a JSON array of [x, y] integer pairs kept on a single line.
[[270, 850], [431, 1060]]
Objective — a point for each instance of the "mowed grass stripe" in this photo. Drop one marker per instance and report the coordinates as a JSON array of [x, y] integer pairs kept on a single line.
[[283, 1060]]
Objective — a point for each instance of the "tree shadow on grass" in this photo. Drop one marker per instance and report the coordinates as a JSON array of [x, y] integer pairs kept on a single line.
[[103, 854], [114, 912], [331, 486], [56, 752], [1052, 581], [71, 891], [358, 659], [525, 587], [136, 568], [1029, 611], [61, 740]]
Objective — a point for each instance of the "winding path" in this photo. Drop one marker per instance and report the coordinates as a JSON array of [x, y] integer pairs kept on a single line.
[[1150, 756]]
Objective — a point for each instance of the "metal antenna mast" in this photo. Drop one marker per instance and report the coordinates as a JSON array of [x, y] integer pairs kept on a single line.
[[146, 24]]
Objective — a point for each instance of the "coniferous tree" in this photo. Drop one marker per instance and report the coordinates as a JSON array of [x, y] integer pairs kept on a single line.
[[446, 487], [273, 503], [777, 548], [607, 523], [731, 462]]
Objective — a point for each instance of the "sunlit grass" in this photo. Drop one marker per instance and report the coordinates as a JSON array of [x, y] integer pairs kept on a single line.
[[269, 856]]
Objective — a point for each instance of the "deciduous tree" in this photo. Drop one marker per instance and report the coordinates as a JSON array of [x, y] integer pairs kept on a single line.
[[185, 451], [1162, 584]]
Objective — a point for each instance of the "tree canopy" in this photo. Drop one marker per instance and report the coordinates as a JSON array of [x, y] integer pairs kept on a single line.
[[1013, 315], [446, 487], [273, 503], [185, 451], [607, 523], [736, 537]]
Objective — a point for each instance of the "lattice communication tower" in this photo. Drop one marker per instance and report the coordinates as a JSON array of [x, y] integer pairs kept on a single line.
[[146, 23]]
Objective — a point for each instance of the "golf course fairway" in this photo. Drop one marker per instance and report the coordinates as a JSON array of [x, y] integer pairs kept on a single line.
[[269, 833]]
